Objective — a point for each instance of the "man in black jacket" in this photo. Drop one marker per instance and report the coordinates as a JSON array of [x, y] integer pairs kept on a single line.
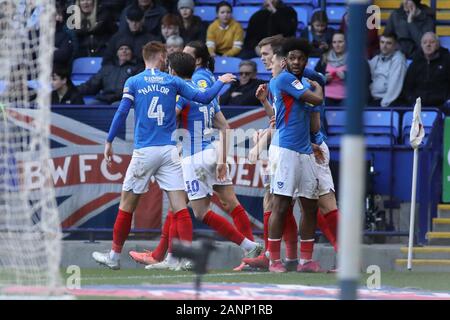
[[409, 23], [153, 14], [107, 84], [274, 18], [242, 92], [134, 33], [428, 76]]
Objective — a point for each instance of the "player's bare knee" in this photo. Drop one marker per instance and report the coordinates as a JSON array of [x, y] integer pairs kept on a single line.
[[129, 201]]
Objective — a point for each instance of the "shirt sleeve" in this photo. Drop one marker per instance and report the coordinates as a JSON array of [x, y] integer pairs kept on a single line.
[[128, 90], [288, 83], [196, 95], [180, 103]]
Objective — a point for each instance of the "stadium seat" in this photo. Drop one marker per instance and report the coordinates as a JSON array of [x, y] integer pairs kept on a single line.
[[342, 2], [335, 13], [445, 42], [207, 13], [378, 140], [210, 2], [243, 14], [375, 123], [302, 17], [301, 2], [84, 68], [312, 62], [380, 122], [428, 119], [248, 2], [226, 64]]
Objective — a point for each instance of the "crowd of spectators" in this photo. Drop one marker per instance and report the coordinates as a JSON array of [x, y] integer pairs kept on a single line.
[[405, 62]]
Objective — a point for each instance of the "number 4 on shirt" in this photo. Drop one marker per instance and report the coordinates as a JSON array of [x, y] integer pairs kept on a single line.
[[155, 111]]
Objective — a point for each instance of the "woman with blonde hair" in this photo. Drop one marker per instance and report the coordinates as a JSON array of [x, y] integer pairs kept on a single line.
[[97, 26]]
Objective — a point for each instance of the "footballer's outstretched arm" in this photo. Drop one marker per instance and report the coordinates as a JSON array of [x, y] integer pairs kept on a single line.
[[204, 97]]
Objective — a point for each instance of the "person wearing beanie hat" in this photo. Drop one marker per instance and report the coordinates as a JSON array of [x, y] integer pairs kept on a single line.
[[186, 4], [192, 27], [107, 84], [409, 23]]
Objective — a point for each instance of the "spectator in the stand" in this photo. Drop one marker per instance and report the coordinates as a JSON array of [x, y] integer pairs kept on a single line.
[[225, 35], [388, 70], [333, 65], [174, 44], [64, 92], [96, 29], [242, 92], [170, 26], [107, 84], [134, 33], [428, 76], [318, 33], [409, 23], [193, 27], [274, 18], [373, 40], [169, 5], [65, 39], [153, 14]]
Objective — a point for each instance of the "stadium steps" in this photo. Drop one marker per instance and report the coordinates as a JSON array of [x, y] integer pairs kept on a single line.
[[436, 256], [441, 224], [424, 265], [444, 211], [428, 253]]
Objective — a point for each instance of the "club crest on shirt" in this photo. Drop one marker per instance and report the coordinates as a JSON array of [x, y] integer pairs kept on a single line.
[[280, 184], [202, 83], [297, 84]]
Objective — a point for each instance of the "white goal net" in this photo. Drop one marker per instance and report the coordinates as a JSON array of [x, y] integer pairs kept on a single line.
[[30, 236]]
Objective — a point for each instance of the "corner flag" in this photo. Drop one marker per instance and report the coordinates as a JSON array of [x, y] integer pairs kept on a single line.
[[417, 132], [415, 138]]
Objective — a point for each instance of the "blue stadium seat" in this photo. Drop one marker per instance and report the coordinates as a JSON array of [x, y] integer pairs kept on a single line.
[[342, 2], [248, 2], [210, 2], [428, 119], [226, 64], [335, 121], [445, 42], [206, 13], [408, 62], [243, 14], [84, 68], [302, 17], [294, 2], [379, 122], [335, 13], [375, 123], [312, 62], [378, 140]]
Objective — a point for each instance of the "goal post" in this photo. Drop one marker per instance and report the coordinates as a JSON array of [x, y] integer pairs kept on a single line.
[[30, 234]]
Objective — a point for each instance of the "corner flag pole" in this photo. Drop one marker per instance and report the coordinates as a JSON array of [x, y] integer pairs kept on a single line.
[[352, 166], [415, 138]]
